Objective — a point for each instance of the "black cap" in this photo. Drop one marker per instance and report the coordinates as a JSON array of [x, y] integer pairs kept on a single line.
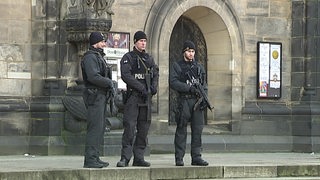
[[188, 45], [139, 35], [96, 37]]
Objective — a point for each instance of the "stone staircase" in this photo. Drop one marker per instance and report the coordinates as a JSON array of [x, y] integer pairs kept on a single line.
[[112, 144], [222, 166], [257, 172]]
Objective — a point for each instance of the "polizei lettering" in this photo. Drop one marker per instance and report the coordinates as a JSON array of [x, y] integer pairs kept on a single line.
[[139, 76]]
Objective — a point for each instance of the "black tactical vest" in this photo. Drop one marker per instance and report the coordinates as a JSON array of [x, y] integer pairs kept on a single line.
[[139, 65], [189, 70]]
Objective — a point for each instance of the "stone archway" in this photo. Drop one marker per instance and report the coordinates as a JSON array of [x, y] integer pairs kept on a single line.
[[216, 19], [218, 63], [184, 29]]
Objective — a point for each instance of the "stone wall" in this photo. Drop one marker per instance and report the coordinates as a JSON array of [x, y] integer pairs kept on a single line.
[[31, 78], [15, 75], [268, 21], [15, 57]]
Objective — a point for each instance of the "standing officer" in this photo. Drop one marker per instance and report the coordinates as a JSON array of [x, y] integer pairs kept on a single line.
[[98, 88], [185, 73], [134, 66]]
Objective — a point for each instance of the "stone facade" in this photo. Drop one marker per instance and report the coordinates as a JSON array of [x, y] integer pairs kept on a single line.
[[40, 65]]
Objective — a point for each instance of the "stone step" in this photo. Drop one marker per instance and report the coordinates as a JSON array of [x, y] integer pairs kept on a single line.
[[258, 166], [113, 138], [115, 150], [171, 172], [211, 143], [113, 143], [276, 178]]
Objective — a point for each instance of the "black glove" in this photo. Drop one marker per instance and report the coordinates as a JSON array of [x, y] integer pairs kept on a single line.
[[203, 106], [194, 90], [113, 91], [153, 90], [110, 84], [144, 93]]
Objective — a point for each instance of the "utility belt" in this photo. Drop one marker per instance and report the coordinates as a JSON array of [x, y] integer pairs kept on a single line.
[[98, 90], [132, 92], [129, 92], [188, 96]]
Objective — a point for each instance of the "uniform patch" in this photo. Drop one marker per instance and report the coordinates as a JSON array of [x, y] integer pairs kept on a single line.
[[125, 61], [139, 76]]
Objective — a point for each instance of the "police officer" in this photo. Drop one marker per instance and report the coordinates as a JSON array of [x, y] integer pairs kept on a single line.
[[98, 87], [185, 73], [134, 66]]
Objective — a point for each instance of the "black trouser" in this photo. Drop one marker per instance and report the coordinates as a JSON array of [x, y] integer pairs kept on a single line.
[[95, 102], [135, 128], [196, 120]]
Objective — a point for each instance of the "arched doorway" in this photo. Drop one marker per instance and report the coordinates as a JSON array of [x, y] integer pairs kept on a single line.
[[184, 29], [224, 40], [214, 52]]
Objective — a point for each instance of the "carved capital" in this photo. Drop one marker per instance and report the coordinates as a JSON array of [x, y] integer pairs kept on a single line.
[[80, 29], [79, 25]]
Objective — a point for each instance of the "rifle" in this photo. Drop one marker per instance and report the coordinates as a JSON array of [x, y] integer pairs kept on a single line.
[[202, 97], [149, 96], [112, 92], [148, 75], [148, 100]]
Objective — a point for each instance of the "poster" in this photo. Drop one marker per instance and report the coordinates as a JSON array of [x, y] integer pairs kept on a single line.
[[269, 70], [117, 45]]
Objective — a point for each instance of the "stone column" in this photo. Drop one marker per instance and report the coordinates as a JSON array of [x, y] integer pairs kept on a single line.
[[305, 111], [84, 18]]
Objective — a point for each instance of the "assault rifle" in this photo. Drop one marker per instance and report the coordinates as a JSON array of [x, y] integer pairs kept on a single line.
[[148, 76], [148, 100], [149, 96], [202, 97]]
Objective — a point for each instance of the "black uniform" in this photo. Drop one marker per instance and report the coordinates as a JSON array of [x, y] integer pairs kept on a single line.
[[180, 82], [135, 124], [98, 86]]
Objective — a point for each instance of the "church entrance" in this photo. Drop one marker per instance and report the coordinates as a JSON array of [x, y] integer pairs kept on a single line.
[[184, 29], [211, 36]]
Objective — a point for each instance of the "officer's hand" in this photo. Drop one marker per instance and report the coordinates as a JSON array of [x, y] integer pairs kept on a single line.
[[194, 90], [110, 84], [153, 90], [144, 93], [113, 91], [203, 106]]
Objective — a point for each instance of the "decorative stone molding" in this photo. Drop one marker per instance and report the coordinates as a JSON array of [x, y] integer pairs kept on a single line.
[[82, 18]]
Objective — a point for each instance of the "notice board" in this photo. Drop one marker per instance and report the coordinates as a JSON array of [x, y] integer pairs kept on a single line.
[[118, 44], [269, 69]]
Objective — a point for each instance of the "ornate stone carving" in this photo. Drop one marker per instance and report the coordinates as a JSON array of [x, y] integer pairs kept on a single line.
[[91, 9], [80, 29], [100, 8], [83, 17]]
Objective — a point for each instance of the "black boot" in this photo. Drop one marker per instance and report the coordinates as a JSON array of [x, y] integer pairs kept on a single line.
[[140, 162], [92, 164], [105, 164], [123, 163], [179, 162], [199, 162]]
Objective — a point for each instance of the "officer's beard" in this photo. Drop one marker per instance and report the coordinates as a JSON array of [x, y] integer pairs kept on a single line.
[[187, 59]]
